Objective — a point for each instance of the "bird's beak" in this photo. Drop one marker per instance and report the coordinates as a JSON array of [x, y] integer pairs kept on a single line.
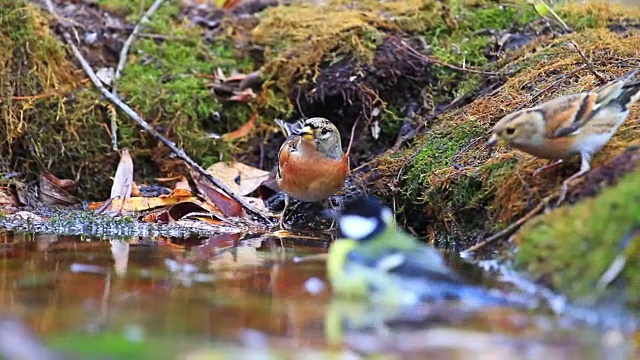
[[306, 133], [492, 140]]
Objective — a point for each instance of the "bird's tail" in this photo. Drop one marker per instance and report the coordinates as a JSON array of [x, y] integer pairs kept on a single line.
[[497, 297], [289, 128], [474, 295], [621, 91], [630, 94]]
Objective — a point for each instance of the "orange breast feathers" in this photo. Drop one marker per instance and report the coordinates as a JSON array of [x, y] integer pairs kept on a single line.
[[309, 175]]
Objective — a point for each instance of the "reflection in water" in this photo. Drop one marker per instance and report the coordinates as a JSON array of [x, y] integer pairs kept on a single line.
[[230, 297]]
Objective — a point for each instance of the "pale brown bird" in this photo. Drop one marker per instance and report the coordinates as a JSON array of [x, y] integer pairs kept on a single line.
[[570, 125], [311, 163]]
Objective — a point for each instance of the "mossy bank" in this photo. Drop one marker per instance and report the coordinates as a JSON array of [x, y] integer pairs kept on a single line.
[[456, 189], [572, 248], [50, 110]]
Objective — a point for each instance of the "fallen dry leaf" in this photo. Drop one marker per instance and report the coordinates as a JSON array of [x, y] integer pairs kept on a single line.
[[183, 183], [242, 131], [240, 178], [52, 194], [229, 206], [242, 95], [7, 199], [257, 203], [65, 184], [182, 188], [185, 208], [142, 203], [173, 213], [135, 190], [123, 180]]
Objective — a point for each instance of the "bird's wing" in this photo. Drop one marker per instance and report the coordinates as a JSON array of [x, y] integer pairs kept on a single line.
[[565, 112], [291, 144], [290, 129], [422, 262], [583, 107]]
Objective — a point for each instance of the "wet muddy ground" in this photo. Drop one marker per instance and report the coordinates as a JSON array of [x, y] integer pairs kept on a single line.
[[224, 296]]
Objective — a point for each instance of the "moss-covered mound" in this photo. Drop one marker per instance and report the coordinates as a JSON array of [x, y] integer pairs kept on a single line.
[[48, 111], [383, 64], [53, 118], [388, 65], [466, 190], [572, 247]]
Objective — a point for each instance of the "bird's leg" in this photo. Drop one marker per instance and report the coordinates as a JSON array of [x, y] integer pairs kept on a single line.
[[333, 217], [546, 167], [286, 205], [584, 168]]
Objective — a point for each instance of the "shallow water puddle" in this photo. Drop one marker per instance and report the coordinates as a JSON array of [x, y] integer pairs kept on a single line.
[[226, 297]]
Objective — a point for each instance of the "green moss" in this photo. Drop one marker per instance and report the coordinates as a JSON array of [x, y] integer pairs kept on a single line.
[[571, 247], [440, 147], [463, 44], [169, 81], [46, 112], [458, 195], [390, 122], [461, 41], [132, 8]]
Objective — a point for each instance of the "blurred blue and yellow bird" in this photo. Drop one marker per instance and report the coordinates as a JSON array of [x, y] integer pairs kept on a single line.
[[374, 260]]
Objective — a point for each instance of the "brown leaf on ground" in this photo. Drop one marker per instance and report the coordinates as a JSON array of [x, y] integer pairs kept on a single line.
[[183, 183], [237, 87], [135, 190], [143, 203], [182, 187], [257, 203], [187, 208], [173, 213], [229, 206], [7, 199], [65, 184], [242, 131], [244, 96], [52, 194], [242, 179]]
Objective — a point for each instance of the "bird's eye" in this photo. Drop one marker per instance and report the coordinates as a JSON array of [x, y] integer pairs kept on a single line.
[[325, 131], [510, 131]]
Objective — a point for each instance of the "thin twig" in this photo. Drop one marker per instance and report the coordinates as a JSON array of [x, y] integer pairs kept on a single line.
[[431, 59], [353, 131], [555, 83], [511, 228], [127, 44], [114, 128], [162, 37], [587, 62], [464, 149], [298, 103], [146, 126]]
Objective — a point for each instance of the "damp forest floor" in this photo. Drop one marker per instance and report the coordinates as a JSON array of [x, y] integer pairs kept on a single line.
[[414, 88]]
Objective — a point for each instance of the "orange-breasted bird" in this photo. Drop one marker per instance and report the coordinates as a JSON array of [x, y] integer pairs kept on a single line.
[[311, 163]]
